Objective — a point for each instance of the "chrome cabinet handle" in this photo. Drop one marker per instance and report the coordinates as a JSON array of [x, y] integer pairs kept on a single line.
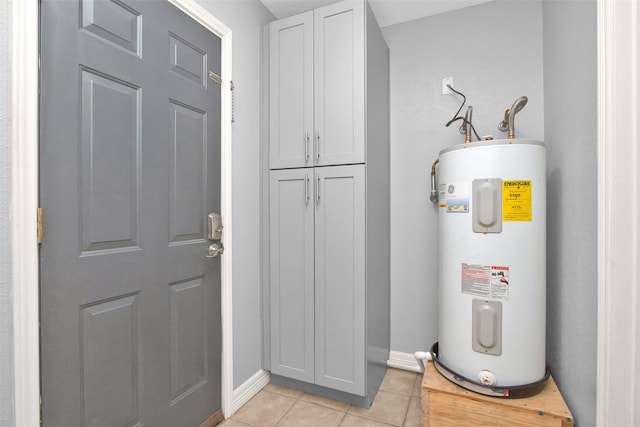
[[306, 146], [317, 145], [318, 190], [306, 188]]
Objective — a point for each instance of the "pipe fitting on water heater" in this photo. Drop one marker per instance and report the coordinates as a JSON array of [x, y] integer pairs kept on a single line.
[[486, 378], [434, 192], [508, 123]]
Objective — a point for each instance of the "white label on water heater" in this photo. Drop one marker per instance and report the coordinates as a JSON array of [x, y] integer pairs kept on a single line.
[[487, 281], [457, 197]]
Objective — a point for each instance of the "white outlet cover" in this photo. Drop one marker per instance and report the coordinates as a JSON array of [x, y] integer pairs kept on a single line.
[[447, 81]]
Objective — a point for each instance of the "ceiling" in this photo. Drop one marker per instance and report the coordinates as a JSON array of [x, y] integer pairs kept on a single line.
[[387, 12]]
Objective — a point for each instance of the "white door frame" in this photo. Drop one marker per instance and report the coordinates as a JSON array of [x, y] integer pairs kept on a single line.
[[24, 203], [618, 368]]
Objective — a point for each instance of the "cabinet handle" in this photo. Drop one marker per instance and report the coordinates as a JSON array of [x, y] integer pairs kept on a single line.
[[306, 146], [318, 190], [317, 145], [306, 188]]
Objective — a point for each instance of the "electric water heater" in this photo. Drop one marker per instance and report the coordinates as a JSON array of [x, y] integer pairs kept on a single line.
[[492, 271]]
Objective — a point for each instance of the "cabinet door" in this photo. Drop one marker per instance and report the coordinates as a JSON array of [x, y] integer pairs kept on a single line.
[[291, 92], [291, 273], [340, 278], [339, 83]]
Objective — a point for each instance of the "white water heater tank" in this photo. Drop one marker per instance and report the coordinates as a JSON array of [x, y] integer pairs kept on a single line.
[[492, 279]]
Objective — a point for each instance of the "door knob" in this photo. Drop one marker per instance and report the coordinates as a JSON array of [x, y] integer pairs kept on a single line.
[[215, 249]]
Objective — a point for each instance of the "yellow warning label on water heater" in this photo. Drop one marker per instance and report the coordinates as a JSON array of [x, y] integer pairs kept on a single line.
[[516, 200]]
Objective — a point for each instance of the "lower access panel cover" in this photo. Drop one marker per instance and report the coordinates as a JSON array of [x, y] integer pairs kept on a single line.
[[487, 326]]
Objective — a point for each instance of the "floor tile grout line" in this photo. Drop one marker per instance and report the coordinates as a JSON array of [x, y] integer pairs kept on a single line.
[[299, 399], [383, 421], [325, 406], [406, 412], [344, 415], [286, 412]]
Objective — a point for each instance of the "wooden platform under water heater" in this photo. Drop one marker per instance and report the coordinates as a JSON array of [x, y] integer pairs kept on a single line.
[[447, 404]]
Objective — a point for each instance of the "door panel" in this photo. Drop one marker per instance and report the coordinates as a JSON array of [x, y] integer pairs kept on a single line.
[[340, 279], [110, 190], [291, 92], [130, 164], [187, 180], [339, 83], [114, 22], [186, 60], [291, 258], [188, 316], [110, 354]]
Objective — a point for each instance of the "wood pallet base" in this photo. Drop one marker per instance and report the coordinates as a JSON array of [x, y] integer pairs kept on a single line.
[[447, 404]]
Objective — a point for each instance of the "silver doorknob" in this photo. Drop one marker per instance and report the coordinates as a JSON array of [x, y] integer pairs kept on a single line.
[[215, 249]]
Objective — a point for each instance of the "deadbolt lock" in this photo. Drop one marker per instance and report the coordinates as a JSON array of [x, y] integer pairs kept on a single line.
[[214, 222]]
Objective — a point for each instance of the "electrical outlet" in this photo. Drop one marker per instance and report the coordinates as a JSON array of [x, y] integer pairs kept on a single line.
[[447, 81]]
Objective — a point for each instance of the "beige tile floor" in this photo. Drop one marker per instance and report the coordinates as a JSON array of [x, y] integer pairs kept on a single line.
[[396, 404]]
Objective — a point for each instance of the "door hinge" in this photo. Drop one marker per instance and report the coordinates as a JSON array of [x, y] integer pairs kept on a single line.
[[40, 227]]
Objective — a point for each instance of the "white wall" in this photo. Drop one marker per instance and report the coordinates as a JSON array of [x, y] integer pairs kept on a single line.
[[494, 54], [6, 311], [570, 61], [246, 19]]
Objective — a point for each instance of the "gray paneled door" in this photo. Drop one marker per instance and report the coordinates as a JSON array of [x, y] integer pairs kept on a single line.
[[130, 168]]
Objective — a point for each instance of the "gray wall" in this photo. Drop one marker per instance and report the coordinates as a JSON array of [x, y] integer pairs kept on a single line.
[[246, 19], [494, 53], [570, 93], [497, 52], [6, 309]]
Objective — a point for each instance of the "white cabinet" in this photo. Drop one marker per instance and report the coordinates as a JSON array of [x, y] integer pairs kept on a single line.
[[328, 294], [317, 87]]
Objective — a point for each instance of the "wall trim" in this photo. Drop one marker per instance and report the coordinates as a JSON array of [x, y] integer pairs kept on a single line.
[[24, 202], [618, 376], [406, 361], [250, 388]]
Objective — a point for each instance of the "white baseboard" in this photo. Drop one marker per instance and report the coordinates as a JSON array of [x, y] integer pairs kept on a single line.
[[404, 361], [248, 389]]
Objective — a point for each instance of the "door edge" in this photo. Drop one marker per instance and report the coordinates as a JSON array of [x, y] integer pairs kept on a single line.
[[210, 22]]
